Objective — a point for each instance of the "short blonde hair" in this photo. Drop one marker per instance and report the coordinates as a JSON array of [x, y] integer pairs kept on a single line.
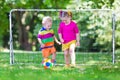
[[46, 18]]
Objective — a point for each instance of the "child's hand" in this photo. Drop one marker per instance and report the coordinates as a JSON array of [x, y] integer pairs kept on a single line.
[[42, 45], [62, 41], [59, 43]]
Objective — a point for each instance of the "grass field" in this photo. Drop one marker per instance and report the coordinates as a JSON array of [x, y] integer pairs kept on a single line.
[[34, 71], [36, 57]]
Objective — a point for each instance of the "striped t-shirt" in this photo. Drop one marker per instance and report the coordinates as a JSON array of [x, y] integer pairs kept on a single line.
[[46, 36]]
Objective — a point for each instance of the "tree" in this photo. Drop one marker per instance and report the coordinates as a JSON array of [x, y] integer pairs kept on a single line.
[[103, 31], [117, 12], [22, 33], [23, 30]]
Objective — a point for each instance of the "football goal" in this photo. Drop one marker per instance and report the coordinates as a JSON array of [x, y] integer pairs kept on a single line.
[[97, 35]]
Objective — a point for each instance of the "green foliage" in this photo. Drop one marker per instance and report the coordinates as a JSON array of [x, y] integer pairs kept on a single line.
[[103, 30], [37, 28], [117, 12], [94, 26], [7, 5]]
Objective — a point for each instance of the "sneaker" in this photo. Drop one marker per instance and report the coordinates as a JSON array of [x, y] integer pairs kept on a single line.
[[72, 65], [53, 61], [67, 66]]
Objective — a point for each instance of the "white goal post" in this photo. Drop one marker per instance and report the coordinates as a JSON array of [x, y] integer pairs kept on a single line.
[[38, 10]]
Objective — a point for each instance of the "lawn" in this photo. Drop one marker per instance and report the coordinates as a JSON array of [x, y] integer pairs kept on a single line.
[[34, 71]]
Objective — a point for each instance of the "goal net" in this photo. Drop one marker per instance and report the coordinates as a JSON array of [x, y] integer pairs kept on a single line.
[[96, 35]]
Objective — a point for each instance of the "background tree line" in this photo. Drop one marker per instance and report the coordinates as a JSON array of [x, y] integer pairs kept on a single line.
[[95, 27]]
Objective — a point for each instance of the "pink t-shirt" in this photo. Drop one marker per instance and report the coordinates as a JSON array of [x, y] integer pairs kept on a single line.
[[69, 31]]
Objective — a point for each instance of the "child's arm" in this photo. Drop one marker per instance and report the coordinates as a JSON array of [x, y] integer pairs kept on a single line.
[[56, 40], [77, 39], [61, 39], [39, 40]]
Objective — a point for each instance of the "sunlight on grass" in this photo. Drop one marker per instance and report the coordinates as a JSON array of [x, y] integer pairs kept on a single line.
[[92, 69], [37, 72], [92, 62], [33, 67]]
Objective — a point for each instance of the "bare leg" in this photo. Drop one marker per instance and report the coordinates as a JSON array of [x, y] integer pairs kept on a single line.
[[54, 56], [66, 56], [72, 53]]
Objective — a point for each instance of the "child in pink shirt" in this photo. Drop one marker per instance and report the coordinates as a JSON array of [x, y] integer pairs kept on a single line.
[[69, 36]]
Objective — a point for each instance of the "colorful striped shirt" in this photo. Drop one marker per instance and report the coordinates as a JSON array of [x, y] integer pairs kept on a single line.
[[46, 36]]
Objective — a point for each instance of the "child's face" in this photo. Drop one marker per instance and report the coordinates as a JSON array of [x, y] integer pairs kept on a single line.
[[66, 19], [48, 24]]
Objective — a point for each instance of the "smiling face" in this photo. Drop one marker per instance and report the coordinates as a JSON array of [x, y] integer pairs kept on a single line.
[[65, 16], [47, 22], [66, 19]]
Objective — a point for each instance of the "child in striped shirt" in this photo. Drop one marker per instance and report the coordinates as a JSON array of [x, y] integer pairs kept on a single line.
[[46, 39]]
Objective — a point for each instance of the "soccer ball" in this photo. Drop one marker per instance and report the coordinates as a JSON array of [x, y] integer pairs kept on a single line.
[[47, 63]]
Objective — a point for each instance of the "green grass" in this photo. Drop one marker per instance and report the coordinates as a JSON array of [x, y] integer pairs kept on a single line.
[[36, 57], [34, 71]]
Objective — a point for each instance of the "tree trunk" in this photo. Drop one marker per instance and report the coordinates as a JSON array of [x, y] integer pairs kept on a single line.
[[22, 33]]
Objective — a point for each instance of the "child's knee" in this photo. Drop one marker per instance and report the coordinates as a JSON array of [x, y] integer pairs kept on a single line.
[[71, 51], [66, 54]]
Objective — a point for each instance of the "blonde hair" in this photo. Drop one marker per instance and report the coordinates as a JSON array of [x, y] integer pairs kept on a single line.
[[46, 18]]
